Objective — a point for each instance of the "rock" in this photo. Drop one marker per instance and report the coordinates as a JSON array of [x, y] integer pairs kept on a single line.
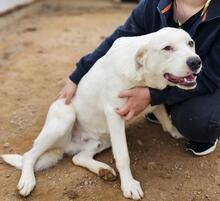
[[187, 173], [188, 176], [111, 160], [102, 37], [30, 29], [140, 143], [7, 175], [39, 52], [6, 145], [207, 196], [151, 165], [71, 194]]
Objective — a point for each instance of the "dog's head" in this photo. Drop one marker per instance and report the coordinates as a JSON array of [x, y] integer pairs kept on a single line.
[[169, 58]]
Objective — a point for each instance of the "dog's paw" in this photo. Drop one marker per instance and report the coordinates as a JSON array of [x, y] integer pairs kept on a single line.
[[26, 184], [108, 174], [175, 133], [132, 189]]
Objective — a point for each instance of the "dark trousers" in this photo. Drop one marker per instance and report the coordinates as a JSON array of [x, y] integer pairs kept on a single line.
[[198, 119]]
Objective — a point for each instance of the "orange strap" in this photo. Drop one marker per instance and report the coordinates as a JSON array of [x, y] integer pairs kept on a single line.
[[167, 8]]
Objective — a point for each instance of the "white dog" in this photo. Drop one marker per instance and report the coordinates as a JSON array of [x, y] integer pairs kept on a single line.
[[90, 124]]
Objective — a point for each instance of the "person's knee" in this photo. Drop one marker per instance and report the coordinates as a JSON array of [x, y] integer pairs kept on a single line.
[[197, 125], [214, 123]]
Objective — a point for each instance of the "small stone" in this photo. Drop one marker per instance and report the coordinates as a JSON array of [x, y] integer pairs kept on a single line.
[[201, 164], [140, 143], [67, 30], [151, 165], [71, 194], [187, 173], [86, 183], [176, 167], [112, 160], [30, 29], [11, 150], [7, 175], [102, 37], [40, 52], [6, 145], [90, 182], [188, 176]]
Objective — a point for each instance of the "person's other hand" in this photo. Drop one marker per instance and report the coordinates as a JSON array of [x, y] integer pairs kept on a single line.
[[138, 100], [68, 91]]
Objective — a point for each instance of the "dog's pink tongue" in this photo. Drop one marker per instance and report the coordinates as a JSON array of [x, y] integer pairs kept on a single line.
[[190, 78]]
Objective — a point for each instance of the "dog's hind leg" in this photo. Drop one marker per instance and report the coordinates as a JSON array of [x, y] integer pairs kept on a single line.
[[85, 159], [161, 114], [57, 127]]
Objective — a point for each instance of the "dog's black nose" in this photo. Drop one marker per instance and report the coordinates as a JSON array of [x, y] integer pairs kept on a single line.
[[194, 63]]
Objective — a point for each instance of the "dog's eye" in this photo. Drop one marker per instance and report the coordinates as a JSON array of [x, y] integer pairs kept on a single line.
[[191, 43], [168, 48]]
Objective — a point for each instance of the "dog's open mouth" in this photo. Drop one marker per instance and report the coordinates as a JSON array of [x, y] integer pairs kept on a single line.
[[187, 81]]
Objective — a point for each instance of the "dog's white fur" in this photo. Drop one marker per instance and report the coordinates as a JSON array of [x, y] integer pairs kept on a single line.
[[90, 124]]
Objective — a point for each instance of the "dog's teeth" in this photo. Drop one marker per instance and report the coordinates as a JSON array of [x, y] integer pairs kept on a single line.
[[190, 81], [185, 80]]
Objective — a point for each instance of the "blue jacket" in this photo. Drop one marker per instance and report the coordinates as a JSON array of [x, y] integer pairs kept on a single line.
[[152, 15]]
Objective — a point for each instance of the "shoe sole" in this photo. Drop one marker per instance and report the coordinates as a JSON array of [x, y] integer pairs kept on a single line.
[[206, 152]]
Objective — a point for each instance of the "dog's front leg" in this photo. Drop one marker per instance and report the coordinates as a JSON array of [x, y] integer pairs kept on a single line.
[[130, 187]]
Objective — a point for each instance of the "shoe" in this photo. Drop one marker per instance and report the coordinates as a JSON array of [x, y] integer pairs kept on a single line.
[[201, 149], [151, 118]]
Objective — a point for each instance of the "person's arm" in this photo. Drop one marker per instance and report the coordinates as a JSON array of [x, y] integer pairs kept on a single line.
[[139, 98], [133, 26], [208, 81]]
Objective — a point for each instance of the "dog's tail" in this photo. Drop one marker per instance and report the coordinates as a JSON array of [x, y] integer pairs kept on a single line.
[[13, 159], [47, 160]]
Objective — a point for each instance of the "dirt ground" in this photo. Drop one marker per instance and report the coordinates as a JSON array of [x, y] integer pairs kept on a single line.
[[37, 52]]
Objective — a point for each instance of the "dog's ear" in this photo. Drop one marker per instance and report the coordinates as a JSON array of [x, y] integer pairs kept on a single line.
[[140, 57]]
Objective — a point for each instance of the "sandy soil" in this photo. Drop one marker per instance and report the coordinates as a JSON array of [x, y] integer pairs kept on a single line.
[[36, 55]]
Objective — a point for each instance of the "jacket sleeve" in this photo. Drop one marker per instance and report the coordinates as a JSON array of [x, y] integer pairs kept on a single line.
[[133, 26], [207, 82]]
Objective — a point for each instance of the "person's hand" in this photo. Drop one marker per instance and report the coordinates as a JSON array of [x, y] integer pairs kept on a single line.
[[138, 100], [68, 91]]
